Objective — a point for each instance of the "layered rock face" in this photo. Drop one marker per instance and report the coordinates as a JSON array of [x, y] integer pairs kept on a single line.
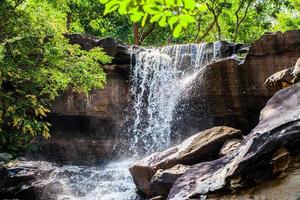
[[85, 128], [234, 90], [268, 156]]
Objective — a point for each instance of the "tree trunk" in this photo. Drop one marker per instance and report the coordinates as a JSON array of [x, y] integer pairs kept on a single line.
[[136, 33], [146, 33], [206, 32]]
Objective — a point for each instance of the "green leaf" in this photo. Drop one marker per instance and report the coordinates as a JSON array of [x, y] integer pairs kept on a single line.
[[123, 7], [185, 20], [178, 2], [111, 6], [163, 21], [144, 19], [189, 4], [173, 20], [152, 9], [103, 1], [177, 31], [156, 18], [202, 7], [170, 2], [136, 16]]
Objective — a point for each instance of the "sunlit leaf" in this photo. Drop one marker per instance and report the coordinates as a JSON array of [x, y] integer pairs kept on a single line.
[[111, 6], [173, 20], [177, 31], [144, 19], [189, 4]]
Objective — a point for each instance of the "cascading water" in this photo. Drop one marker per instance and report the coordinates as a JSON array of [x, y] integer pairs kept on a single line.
[[158, 81], [110, 182]]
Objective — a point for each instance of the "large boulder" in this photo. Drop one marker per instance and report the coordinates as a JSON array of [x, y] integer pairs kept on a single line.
[[266, 152], [200, 147], [280, 80], [22, 179]]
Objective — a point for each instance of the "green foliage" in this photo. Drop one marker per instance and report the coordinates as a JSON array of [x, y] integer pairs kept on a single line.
[[37, 63], [289, 18], [177, 14], [196, 21]]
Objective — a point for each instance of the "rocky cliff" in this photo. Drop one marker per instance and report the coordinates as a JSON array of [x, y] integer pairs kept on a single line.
[[233, 89], [85, 128], [88, 127]]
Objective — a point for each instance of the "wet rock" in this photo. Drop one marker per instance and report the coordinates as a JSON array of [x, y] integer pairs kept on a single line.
[[263, 154], [157, 198], [5, 157], [280, 80], [200, 147], [80, 150], [19, 179], [229, 146]]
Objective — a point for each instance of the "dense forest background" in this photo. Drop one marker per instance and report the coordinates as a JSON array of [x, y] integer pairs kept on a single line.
[[37, 62]]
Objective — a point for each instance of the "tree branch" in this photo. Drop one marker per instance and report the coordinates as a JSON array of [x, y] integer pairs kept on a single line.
[[145, 34]]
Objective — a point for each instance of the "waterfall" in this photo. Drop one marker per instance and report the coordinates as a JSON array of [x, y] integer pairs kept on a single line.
[[158, 80]]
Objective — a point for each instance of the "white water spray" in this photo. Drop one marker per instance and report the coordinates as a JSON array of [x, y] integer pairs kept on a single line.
[[158, 79]]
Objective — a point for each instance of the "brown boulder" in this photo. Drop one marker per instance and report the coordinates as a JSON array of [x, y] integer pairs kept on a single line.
[[263, 154], [200, 147], [280, 80]]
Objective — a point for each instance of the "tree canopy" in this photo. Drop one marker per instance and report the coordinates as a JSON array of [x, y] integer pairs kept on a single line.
[[37, 63], [198, 20]]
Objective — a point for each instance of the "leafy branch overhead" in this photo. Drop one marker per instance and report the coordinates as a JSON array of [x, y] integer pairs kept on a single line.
[[177, 14], [192, 17]]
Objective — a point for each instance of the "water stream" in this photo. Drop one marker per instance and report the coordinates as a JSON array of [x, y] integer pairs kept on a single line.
[[158, 80]]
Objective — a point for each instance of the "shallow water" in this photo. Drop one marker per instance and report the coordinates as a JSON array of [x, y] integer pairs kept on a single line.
[[110, 182]]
